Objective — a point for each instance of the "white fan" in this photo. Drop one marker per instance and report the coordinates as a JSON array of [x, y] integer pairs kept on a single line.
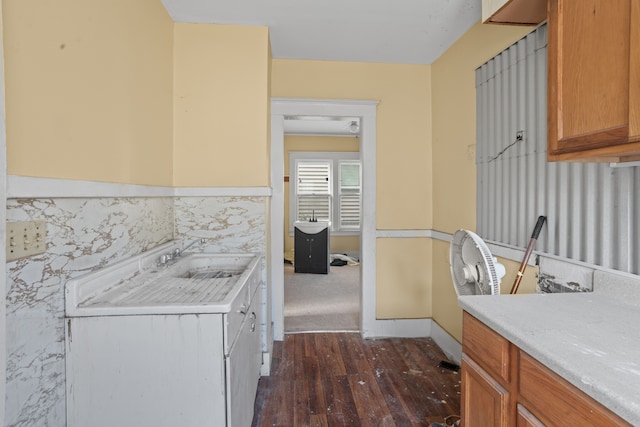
[[473, 269]]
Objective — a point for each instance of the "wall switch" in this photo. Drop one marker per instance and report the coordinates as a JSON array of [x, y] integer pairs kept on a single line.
[[25, 238]]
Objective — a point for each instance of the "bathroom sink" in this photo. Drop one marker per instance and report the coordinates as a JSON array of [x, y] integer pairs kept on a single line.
[[312, 227]]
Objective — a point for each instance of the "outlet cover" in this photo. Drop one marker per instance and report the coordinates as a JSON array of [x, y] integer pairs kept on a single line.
[[25, 238]]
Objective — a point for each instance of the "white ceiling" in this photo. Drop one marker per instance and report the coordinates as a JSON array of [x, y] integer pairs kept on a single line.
[[390, 31]]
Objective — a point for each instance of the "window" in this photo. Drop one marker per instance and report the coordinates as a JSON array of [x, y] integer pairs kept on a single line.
[[313, 183], [327, 186], [350, 194]]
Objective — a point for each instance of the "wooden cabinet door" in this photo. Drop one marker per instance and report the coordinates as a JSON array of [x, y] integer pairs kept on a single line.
[[485, 403], [589, 82], [527, 419], [634, 73]]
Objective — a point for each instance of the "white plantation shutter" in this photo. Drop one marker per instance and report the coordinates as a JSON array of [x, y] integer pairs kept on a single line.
[[313, 190], [350, 192], [329, 186]]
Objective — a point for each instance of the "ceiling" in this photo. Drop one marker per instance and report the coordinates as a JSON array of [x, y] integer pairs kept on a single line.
[[387, 31], [390, 31]]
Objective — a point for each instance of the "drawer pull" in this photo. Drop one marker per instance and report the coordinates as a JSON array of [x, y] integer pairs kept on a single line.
[[243, 309]]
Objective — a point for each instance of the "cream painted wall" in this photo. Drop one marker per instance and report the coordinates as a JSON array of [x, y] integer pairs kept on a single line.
[[221, 105], [403, 129], [446, 311], [403, 170], [454, 136], [404, 278], [89, 90], [339, 244]]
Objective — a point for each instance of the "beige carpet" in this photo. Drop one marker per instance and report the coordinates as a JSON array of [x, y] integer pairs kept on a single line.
[[322, 302]]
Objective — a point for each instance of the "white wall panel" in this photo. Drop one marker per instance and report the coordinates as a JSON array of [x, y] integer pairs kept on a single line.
[[592, 209]]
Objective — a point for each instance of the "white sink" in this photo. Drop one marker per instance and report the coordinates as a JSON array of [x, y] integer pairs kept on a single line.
[[312, 227], [194, 283]]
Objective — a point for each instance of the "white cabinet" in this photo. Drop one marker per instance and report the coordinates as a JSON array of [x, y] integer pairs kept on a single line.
[[166, 370]]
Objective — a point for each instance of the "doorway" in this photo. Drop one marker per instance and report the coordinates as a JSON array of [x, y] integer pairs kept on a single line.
[[323, 183], [365, 111]]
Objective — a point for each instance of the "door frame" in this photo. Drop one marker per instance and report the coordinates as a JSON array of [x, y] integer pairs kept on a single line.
[[366, 111]]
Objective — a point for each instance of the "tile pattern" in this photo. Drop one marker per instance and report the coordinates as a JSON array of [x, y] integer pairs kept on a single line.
[[229, 224], [82, 235]]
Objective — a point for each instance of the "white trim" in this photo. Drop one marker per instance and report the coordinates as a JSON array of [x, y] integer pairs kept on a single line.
[[403, 234], [32, 188], [3, 230], [624, 164], [439, 235], [398, 328], [499, 250], [366, 110], [265, 369], [449, 345], [222, 191]]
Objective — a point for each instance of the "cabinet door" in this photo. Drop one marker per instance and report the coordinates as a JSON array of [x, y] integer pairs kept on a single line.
[[485, 403], [527, 419], [589, 76], [243, 367], [634, 73]]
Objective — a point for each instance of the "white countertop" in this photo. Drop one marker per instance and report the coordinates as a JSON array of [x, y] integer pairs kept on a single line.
[[590, 339]]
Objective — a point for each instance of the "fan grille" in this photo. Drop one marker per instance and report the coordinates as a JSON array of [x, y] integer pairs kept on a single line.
[[473, 267]]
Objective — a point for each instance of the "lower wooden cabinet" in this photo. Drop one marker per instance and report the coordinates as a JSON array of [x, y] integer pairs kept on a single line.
[[484, 400], [516, 389], [526, 418]]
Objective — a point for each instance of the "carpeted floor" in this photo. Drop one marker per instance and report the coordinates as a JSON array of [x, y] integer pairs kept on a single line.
[[322, 302]]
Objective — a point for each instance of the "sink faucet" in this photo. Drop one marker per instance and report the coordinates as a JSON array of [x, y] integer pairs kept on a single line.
[[179, 252], [171, 256]]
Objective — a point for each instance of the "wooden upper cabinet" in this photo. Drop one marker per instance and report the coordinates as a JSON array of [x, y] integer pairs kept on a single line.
[[593, 80], [518, 12]]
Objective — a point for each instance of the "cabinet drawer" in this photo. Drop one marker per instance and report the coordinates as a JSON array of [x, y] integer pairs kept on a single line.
[[556, 402], [486, 347]]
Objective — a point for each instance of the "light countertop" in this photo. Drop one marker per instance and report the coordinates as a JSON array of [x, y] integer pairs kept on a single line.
[[590, 339]]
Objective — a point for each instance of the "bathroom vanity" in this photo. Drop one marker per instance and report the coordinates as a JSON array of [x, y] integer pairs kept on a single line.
[[175, 344], [312, 246]]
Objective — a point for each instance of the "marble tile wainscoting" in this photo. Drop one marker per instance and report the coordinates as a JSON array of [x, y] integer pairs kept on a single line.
[[228, 224], [83, 235]]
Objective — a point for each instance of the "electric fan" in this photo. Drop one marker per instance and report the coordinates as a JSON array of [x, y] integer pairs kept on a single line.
[[473, 269]]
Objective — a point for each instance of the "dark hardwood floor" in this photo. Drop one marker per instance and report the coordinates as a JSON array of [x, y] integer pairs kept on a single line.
[[335, 379]]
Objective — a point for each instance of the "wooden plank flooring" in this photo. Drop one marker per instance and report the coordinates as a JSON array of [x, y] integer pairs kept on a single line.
[[336, 379]]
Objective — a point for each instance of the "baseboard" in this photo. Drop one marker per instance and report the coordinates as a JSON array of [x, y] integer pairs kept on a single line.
[[449, 345], [399, 328], [265, 369]]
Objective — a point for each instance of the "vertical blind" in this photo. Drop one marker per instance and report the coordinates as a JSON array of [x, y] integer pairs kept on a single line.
[[592, 209]]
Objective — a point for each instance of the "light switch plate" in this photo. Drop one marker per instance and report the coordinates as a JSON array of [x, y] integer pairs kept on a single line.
[[25, 238]]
